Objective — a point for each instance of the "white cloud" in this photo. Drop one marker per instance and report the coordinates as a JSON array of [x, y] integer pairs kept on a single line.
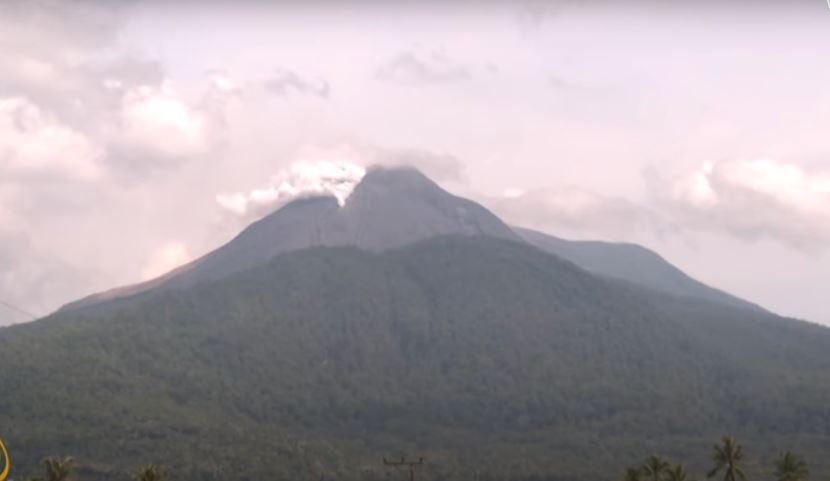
[[754, 199], [696, 189], [157, 118], [331, 177], [576, 213], [165, 258], [513, 192], [34, 143], [439, 166], [334, 171], [222, 82], [790, 184]]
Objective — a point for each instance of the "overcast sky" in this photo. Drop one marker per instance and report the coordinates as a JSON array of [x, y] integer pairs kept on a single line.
[[135, 136]]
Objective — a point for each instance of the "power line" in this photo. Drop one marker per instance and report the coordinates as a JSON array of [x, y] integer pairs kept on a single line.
[[18, 309], [403, 462]]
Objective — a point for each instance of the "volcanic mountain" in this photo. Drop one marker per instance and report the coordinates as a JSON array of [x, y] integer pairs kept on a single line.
[[408, 322], [632, 263], [391, 208]]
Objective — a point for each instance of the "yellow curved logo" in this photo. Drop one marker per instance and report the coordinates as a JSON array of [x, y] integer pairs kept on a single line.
[[6, 461]]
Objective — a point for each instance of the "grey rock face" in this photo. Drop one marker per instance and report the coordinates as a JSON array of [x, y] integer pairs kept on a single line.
[[389, 208], [392, 208]]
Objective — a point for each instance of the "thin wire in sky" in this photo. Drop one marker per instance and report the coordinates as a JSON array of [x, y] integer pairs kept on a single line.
[[15, 308]]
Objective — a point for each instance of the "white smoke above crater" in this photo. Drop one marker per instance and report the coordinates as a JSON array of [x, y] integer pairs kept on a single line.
[[302, 179]]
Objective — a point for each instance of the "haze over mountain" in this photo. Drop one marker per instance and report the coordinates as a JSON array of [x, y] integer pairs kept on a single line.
[[114, 157], [632, 263], [390, 207], [407, 321], [394, 207]]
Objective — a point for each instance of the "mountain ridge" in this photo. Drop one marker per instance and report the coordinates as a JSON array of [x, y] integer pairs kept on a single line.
[[393, 207], [389, 207], [633, 263]]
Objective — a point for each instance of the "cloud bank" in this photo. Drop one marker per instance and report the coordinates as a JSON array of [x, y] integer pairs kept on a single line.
[[85, 128], [752, 200]]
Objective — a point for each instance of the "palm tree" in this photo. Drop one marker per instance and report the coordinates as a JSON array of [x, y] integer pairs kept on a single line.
[[150, 472], [58, 469], [790, 467], [727, 457], [632, 474], [655, 468], [677, 473]]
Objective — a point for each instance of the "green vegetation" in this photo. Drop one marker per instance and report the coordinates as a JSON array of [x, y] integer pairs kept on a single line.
[[633, 263], [790, 467], [677, 473], [150, 472], [63, 469], [489, 358], [656, 468], [58, 469], [727, 458]]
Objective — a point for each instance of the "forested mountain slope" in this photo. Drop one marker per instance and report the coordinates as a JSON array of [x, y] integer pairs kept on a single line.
[[485, 355], [632, 263]]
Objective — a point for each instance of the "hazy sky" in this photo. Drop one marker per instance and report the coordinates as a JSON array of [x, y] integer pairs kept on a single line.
[[135, 136]]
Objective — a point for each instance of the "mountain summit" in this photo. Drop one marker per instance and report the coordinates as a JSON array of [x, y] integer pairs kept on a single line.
[[408, 320], [394, 207], [389, 208]]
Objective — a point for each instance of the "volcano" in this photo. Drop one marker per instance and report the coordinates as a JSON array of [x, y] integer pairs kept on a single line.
[[409, 321]]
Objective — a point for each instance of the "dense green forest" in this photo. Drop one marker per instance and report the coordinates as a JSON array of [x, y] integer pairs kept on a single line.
[[319, 363], [727, 458]]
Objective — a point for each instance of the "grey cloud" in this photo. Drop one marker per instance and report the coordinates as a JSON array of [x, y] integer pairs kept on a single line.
[[413, 68], [561, 82], [62, 59], [67, 79], [731, 200], [78, 23], [439, 166], [747, 200], [32, 280], [285, 82], [578, 213], [534, 14], [46, 46]]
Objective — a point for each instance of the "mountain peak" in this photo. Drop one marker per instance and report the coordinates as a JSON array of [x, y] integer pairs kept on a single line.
[[399, 177], [396, 180], [390, 207]]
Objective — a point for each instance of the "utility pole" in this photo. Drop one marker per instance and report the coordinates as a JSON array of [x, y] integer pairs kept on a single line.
[[404, 462]]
